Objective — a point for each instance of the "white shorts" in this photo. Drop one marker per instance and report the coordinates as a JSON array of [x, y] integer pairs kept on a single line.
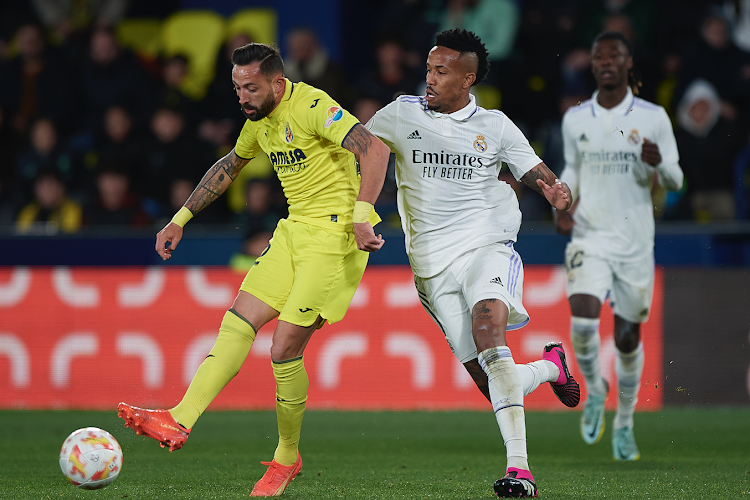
[[629, 285], [491, 272]]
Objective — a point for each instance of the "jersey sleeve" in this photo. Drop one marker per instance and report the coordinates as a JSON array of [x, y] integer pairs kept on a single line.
[[515, 150], [670, 173], [383, 123], [326, 118], [569, 174], [247, 146]]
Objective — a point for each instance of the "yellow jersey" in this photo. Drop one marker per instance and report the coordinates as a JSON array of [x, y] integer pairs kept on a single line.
[[302, 137]]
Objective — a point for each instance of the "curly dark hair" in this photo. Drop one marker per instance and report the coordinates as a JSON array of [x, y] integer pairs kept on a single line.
[[268, 56], [634, 82], [464, 42], [614, 35]]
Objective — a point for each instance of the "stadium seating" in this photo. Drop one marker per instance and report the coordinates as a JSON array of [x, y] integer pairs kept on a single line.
[[260, 24], [197, 34], [141, 35]]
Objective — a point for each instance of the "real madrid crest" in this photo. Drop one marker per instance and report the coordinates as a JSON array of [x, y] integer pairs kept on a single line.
[[634, 138], [480, 144], [288, 135]]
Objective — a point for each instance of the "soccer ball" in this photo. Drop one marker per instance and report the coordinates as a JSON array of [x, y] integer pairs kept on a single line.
[[91, 458]]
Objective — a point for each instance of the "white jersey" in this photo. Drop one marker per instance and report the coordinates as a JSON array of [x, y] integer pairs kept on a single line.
[[614, 218], [449, 198]]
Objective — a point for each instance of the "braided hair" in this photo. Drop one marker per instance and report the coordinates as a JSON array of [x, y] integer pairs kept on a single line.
[[633, 81]]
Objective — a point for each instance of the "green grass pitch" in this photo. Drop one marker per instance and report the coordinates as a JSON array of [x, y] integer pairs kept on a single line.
[[686, 454]]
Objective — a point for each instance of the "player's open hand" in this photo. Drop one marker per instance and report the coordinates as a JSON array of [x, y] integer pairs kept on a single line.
[[366, 239], [172, 234], [650, 153], [558, 195]]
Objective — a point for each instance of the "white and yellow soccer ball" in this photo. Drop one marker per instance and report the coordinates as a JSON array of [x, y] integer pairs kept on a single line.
[[91, 458]]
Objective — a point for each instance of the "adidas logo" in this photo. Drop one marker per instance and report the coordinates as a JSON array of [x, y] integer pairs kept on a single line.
[[497, 281], [583, 138], [414, 135]]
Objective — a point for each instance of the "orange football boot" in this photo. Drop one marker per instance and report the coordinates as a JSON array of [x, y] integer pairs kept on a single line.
[[156, 424]]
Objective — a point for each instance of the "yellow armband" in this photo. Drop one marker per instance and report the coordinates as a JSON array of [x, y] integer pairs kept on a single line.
[[182, 217], [362, 211]]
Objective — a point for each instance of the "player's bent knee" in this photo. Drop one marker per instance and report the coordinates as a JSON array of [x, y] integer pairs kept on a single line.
[[627, 335]]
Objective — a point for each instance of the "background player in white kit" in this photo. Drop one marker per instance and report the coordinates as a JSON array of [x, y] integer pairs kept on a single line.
[[614, 144], [460, 223]]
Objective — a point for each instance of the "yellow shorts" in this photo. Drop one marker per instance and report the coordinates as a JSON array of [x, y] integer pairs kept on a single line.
[[307, 271]]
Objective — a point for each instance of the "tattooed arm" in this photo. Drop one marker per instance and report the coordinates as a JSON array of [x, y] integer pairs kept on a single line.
[[372, 156], [542, 180], [214, 183]]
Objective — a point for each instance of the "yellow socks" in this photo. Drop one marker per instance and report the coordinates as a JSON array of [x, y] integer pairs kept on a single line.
[[291, 394], [236, 336]]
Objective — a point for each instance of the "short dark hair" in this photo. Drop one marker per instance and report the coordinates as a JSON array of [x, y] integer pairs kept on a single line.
[[465, 41], [269, 57], [614, 35]]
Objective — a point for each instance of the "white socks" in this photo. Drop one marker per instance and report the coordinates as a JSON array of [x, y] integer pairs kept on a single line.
[[584, 334], [536, 373], [506, 394], [629, 367]]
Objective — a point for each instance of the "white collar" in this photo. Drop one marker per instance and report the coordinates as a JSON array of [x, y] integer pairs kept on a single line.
[[463, 113], [623, 108]]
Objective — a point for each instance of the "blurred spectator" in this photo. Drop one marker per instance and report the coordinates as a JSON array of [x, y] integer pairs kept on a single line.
[[68, 16], [307, 61], [175, 70], [496, 22], [119, 142], [715, 59], [220, 116], [12, 15], [708, 145], [260, 214], [44, 153], [169, 153], [180, 189], [365, 108], [112, 76], [414, 20], [51, 210], [116, 204], [391, 76], [642, 16], [258, 222], [36, 81]]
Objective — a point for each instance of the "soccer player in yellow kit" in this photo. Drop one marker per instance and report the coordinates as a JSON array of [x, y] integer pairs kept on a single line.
[[314, 262]]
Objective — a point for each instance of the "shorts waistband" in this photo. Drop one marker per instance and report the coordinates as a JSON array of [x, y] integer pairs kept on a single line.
[[324, 223]]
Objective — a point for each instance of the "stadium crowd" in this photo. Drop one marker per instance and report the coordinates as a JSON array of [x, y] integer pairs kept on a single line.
[[95, 132]]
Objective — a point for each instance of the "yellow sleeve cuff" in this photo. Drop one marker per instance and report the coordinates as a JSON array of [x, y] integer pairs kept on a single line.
[[182, 217]]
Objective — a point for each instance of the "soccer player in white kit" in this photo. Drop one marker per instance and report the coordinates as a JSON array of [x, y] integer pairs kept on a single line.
[[615, 144], [460, 223]]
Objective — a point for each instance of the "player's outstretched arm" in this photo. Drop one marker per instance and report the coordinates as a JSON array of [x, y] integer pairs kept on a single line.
[[372, 155], [214, 183], [542, 180]]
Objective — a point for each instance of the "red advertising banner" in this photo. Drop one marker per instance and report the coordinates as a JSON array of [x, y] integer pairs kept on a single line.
[[92, 337]]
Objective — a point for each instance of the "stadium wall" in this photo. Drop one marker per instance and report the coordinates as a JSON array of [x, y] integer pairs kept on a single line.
[[90, 337]]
